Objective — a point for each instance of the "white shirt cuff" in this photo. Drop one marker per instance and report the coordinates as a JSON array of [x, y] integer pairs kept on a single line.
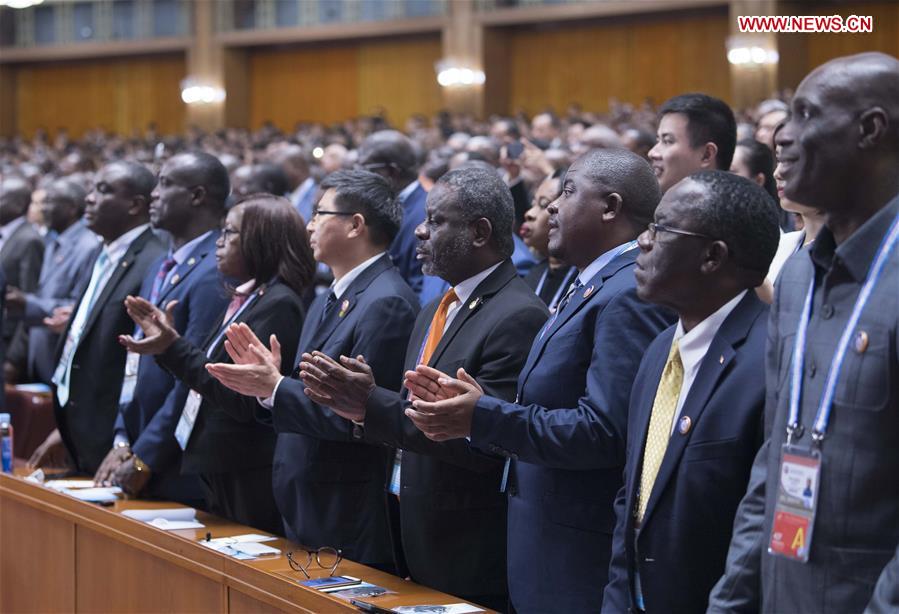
[[269, 402]]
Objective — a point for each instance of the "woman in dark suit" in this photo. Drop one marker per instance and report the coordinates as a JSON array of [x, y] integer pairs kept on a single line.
[[264, 248]]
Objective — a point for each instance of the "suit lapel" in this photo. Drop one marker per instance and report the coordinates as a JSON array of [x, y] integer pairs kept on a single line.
[[716, 362], [185, 268], [122, 267], [486, 289]]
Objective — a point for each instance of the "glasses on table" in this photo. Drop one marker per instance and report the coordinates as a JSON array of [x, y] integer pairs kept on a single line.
[[326, 558]]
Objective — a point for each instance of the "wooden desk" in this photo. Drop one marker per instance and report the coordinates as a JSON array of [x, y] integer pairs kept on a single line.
[[59, 554]]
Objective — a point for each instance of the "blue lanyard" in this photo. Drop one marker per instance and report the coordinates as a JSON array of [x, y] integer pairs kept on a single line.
[[562, 287], [826, 404]]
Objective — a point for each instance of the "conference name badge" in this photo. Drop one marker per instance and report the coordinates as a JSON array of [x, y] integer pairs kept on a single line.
[[132, 363], [797, 502], [188, 418]]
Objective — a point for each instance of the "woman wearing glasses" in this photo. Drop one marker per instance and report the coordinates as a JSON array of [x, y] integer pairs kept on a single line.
[[264, 248]]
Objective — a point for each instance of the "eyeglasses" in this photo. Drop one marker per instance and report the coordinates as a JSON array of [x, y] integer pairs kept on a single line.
[[316, 213], [227, 233], [656, 228], [326, 558]]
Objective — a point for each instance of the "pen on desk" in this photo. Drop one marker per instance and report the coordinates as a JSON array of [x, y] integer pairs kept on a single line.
[[208, 536], [370, 607]]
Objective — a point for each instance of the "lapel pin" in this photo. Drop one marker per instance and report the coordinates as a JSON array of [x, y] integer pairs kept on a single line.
[[124, 264], [175, 278], [684, 424], [192, 262], [474, 304], [344, 306], [860, 343], [721, 360], [588, 292]]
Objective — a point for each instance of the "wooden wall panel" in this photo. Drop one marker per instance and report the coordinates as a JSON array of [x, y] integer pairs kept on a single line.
[[630, 59], [331, 83], [315, 83], [885, 37], [399, 76], [121, 95]]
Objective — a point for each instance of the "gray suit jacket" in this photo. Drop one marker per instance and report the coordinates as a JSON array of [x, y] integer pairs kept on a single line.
[[21, 258], [64, 273], [856, 532]]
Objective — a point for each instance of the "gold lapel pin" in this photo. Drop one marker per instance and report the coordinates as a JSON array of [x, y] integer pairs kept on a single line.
[[588, 291], [175, 278], [192, 262], [473, 304], [684, 424], [344, 306], [721, 360], [860, 343], [124, 263]]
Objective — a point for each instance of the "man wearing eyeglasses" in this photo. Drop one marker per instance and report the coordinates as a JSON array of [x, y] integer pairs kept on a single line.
[[564, 435], [391, 155], [329, 487], [696, 411]]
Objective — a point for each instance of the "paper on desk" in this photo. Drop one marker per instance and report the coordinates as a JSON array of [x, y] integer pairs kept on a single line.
[[94, 495], [68, 484], [254, 548], [167, 519], [450, 608]]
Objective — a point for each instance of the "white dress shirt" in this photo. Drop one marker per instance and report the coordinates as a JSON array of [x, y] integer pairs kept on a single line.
[[694, 345], [464, 290]]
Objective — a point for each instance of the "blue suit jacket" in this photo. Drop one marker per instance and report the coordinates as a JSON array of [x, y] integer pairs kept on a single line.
[[323, 476], [149, 420], [687, 527], [403, 248], [566, 441]]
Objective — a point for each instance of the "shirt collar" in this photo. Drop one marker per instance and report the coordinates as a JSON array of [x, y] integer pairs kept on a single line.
[[404, 194], [116, 248], [9, 228], [66, 234], [182, 253], [245, 288], [599, 264], [858, 251], [340, 285], [464, 289], [302, 189], [694, 345]]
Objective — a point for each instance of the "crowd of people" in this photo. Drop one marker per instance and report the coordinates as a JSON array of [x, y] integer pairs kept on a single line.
[[645, 361]]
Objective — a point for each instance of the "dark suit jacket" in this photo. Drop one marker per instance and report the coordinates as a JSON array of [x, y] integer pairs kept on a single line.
[[452, 512], [330, 487], [149, 420], [61, 283], [21, 259], [403, 248], [683, 540], [98, 366], [226, 436], [566, 441]]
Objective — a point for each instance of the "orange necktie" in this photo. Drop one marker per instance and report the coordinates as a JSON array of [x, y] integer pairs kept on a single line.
[[437, 325]]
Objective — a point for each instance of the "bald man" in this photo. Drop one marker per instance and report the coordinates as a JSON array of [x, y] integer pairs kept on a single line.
[[839, 150]]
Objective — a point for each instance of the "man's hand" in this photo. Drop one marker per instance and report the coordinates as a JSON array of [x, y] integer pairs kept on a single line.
[[59, 319], [158, 326], [450, 418], [52, 453], [344, 387], [424, 384], [114, 458], [15, 300], [256, 369], [130, 479]]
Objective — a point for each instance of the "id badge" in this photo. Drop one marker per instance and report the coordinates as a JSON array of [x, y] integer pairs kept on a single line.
[[797, 502], [132, 362], [188, 418]]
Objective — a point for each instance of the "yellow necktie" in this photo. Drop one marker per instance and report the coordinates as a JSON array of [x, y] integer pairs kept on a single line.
[[659, 433], [438, 323]]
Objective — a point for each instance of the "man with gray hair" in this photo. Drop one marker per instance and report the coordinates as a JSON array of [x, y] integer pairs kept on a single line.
[[69, 250], [452, 513]]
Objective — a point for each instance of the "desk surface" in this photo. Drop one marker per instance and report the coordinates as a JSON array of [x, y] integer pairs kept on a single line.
[[102, 536]]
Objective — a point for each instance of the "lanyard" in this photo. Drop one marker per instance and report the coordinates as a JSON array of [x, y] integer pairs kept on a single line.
[[826, 404], [225, 326], [558, 295]]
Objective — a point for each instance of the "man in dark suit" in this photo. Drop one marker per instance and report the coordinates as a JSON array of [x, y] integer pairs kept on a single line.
[[188, 203], [391, 154], [452, 513], [695, 420], [88, 376], [300, 182], [70, 250], [839, 150], [21, 247], [565, 434], [322, 476]]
